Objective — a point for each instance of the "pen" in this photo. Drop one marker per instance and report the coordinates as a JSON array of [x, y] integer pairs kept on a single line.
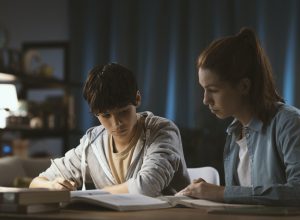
[[65, 178], [52, 162]]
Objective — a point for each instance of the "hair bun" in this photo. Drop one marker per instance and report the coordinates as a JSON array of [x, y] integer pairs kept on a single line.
[[247, 34]]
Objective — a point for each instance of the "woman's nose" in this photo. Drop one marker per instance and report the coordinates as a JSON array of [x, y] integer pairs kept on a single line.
[[206, 99]]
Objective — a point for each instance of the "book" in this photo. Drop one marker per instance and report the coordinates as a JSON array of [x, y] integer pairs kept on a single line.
[[118, 202], [131, 202], [27, 196], [226, 208], [32, 208], [202, 203], [89, 192]]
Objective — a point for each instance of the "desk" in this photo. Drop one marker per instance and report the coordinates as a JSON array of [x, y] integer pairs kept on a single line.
[[161, 214]]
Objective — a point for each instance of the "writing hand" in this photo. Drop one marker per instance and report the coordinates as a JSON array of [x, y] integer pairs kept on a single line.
[[63, 184]]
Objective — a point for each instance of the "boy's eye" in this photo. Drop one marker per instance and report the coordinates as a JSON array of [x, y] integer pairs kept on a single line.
[[124, 111], [105, 115]]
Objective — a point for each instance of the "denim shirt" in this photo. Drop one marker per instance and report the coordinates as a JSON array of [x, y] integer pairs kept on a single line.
[[274, 151]]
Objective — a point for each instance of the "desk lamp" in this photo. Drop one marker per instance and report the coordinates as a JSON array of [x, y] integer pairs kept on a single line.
[[8, 102]]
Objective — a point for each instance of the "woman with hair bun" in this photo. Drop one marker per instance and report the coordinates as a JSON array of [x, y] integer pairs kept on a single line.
[[262, 150]]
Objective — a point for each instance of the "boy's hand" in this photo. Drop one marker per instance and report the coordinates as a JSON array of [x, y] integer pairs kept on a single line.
[[63, 184]]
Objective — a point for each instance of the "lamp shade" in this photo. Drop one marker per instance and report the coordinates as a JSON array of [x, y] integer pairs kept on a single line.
[[8, 97]]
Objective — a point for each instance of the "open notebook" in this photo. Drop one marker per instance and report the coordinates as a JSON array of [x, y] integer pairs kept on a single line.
[[127, 202], [119, 202]]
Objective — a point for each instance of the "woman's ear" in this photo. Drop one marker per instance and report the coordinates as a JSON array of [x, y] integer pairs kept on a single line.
[[244, 86], [138, 99]]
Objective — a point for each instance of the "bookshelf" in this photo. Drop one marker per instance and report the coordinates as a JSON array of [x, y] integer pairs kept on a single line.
[[41, 75]]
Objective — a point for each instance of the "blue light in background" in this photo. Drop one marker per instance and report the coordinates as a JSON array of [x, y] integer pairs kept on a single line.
[[147, 43], [261, 21], [6, 149], [171, 91], [170, 107], [289, 70], [113, 35], [89, 56]]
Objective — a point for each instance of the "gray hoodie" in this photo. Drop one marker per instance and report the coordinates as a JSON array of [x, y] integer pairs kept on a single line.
[[157, 167]]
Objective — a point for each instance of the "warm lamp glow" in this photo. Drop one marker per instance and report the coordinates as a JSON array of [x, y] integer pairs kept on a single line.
[[8, 102], [5, 77], [8, 97]]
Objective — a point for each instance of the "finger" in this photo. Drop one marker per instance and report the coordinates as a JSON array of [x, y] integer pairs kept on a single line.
[[181, 192], [186, 193], [58, 186], [199, 180], [70, 184], [66, 187], [73, 183]]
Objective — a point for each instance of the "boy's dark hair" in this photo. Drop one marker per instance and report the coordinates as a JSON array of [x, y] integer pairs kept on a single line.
[[108, 87]]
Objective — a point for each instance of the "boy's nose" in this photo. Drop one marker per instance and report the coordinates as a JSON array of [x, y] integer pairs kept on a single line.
[[116, 120]]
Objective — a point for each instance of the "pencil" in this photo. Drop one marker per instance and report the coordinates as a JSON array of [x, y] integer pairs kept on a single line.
[[54, 164]]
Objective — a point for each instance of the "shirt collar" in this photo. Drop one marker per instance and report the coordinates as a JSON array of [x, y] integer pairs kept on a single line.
[[255, 124]]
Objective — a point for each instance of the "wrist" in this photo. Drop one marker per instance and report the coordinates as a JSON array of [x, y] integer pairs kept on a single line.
[[220, 194]]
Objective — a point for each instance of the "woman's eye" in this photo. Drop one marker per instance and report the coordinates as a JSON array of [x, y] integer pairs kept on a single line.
[[212, 90]]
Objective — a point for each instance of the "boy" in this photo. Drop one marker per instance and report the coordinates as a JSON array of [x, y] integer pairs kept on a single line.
[[129, 152]]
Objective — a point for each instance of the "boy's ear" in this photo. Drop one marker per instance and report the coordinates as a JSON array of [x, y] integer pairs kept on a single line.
[[138, 99]]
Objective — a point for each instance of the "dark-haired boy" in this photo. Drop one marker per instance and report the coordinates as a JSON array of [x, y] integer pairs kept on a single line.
[[129, 152]]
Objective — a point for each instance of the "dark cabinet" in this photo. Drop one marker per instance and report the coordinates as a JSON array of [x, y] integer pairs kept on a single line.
[[45, 118]]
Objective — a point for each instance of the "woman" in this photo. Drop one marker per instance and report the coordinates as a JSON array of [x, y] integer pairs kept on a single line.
[[129, 152], [262, 150]]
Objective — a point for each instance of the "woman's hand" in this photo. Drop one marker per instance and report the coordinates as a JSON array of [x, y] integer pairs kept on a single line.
[[203, 190]]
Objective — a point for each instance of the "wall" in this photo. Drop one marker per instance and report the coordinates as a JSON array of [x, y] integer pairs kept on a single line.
[[34, 20]]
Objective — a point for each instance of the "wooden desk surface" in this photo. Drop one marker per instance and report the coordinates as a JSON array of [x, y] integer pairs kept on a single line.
[[161, 214]]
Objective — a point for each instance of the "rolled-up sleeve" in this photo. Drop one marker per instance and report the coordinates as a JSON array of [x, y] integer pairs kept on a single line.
[[69, 165], [161, 161], [278, 195]]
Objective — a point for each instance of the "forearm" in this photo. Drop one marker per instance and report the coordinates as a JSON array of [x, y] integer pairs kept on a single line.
[[117, 189], [58, 183], [265, 195]]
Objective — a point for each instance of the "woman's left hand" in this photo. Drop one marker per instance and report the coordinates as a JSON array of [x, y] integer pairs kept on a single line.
[[203, 190]]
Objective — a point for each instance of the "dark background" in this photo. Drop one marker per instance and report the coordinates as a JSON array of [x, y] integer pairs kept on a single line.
[[160, 41]]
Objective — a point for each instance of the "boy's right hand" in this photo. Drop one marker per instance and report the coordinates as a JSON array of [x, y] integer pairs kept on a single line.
[[62, 184]]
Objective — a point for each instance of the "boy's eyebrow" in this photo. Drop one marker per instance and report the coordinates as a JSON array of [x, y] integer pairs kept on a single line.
[[115, 110], [121, 109]]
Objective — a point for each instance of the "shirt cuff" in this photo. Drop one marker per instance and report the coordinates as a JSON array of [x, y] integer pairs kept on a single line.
[[238, 194]]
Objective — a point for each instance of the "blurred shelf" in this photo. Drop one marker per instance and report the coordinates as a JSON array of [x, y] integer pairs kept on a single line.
[[28, 78], [35, 81], [38, 133]]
